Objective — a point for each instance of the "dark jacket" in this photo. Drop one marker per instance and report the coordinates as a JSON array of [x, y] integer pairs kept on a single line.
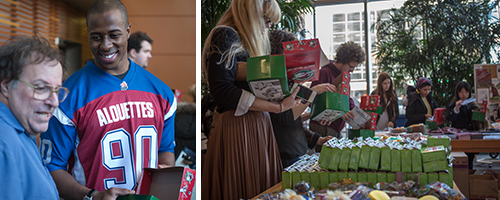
[[462, 120], [416, 110], [185, 127], [392, 111]]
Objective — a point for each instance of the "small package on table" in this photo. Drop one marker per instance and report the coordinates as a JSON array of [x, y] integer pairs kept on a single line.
[[439, 116], [345, 157], [370, 102], [406, 159], [438, 140], [433, 154], [423, 179], [375, 155], [355, 153], [385, 158], [353, 176], [364, 157], [343, 175], [381, 177], [324, 179], [266, 76], [329, 106], [302, 60], [416, 158], [362, 177], [431, 177], [435, 166], [396, 159], [371, 178], [167, 183], [333, 177], [431, 125]]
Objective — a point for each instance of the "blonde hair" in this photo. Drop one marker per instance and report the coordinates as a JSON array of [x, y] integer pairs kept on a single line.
[[246, 17]]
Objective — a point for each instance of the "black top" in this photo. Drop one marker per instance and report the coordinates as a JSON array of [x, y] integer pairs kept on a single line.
[[462, 120], [290, 135], [225, 90], [416, 110]]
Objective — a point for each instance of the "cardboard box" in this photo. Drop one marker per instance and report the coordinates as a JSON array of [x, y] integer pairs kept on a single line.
[[441, 140], [315, 179], [342, 82], [304, 176], [431, 177], [423, 179], [364, 157], [343, 175], [483, 186], [266, 76], [302, 59], [324, 156], [354, 158], [431, 125], [167, 183], [344, 159], [136, 197], [370, 102], [439, 115], [324, 180], [362, 177], [406, 164], [296, 178], [286, 180], [353, 176], [374, 158], [433, 154], [435, 166], [335, 159], [333, 177], [395, 160], [371, 178], [461, 172], [385, 159], [329, 106], [381, 177], [416, 160], [391, 177]]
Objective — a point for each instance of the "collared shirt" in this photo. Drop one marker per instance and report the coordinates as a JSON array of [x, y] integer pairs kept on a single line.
[[22, 172]]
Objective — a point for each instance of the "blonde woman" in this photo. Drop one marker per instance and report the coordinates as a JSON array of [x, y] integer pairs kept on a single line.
[[242, 155]]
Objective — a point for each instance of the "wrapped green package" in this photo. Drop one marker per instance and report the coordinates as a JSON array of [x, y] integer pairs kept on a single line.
[[335, 158], [296, 178], [406, 164], [431, 177], [435, 166], [364, 157], [371, 178], [343, 175], [324, 180], [315, 180], [362, 177], [433, 154], [391, 177], [305, 176], [416, 160], [423, 179], [353, 176], [440, 140], [354, 158], [395, 160], [286, 180], [344, 158], [334, 177], [446, 178], [409, 176], [325, 155], [385, 159], [374, 158], [381, 177]]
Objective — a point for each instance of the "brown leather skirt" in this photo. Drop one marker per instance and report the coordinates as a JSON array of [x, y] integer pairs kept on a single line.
[[242, 157]]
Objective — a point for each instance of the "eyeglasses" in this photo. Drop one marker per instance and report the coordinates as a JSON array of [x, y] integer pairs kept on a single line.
[[44, 92]]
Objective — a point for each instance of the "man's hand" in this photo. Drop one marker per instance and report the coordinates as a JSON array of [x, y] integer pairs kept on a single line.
[[427, 116], [320, 88], [348, 116], [322, 140], [325, 122], [111, 194]]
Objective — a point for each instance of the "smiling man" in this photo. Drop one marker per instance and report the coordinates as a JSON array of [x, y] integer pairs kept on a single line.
[[30, 81], [118, 119]]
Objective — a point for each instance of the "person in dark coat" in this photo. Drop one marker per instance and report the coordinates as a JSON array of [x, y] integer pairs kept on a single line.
[[460, 115], [420, 102], [388, 100], [185, 124]]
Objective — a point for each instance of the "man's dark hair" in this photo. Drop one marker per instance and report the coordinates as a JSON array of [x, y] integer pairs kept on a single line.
[[21, 51], [348, 52], [135, 40], [102, 6], [277, 37]]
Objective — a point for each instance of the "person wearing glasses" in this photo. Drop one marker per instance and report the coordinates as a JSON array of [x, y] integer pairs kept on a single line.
[[420, 103], [348, 56], [117, 120], [31, 74]]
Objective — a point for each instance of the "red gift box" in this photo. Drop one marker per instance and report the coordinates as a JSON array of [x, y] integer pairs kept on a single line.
[[342, 82], [373, 121], [167, 183], [370, 102], [484, 106], [439, 115], [302, 60]]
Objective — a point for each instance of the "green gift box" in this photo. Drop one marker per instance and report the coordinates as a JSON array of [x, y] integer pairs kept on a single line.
[[315, 180], [382, 177], [333, 177], [391, 177], [344, 159], [374, 158], [433, 154], [286, 180], [266, 76], [409, 176], [343, 175], [406, 160], [324, 156], [431, 177], [362, 177], [305, 176], [446, 178], [364, 156], [329, 106], [435, 166], [431, 125], [423, 179], [372, 179], [136, 197], [365, 133], [354, 159], [478, 116], [379, 110], [335, 159], [416, 160], [441, 140], [395, 160], [296, 178], [385, 159], [324, 180], [353, 176]]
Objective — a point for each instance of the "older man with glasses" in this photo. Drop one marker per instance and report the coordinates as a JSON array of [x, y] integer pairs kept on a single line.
[[31, 71]]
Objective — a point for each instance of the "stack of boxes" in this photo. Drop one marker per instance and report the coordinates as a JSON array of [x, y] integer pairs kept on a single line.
[[480, 115], [371, 105], [332, 105]]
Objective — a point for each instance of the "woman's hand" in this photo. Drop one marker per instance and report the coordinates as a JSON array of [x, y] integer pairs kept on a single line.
[[322, 140], [320, 88], [458, 105], [390, 124], [348, 116], [325, 122], [427, 116], [290, 101]]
